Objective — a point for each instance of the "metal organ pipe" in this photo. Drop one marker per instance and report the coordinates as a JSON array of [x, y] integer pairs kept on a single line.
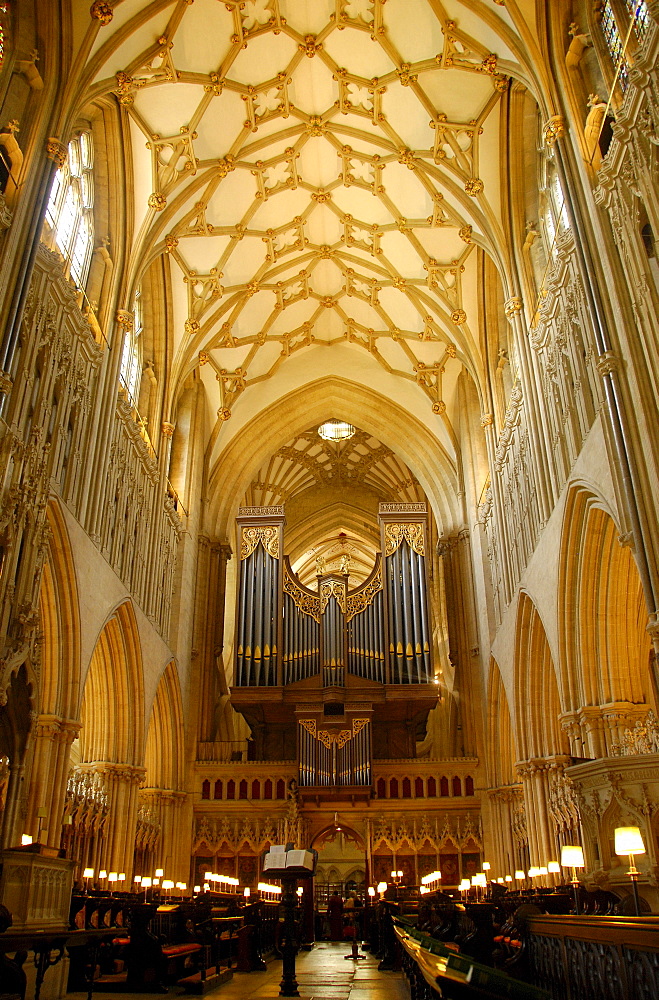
[[382, 635], [417, 595], [269, 637], [423, 608], [408, 615], [248, 646], [257, 638], [240, 672], [395, 620]]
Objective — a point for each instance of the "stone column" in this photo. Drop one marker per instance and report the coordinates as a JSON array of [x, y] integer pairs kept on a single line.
[[500, 803], [173, 848], [535, 781], [121, 783], [50, 767], [10, 838], [455, 553], [538, 776]]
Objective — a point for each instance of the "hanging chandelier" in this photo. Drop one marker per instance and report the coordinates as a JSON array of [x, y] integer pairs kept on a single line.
[[336, 430]]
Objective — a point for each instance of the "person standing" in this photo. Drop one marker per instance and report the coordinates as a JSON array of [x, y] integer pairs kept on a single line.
[[335, 915]]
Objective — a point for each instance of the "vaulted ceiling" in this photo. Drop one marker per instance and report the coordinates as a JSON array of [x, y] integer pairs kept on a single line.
[[318, 176], [331, 491]]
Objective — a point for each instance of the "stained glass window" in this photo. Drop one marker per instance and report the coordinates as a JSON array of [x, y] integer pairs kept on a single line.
[[614, 41], [4, 7], [638, 10], [70, 208]]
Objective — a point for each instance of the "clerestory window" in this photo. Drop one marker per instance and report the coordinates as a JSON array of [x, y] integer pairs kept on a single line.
[[70, 208], [555, 215], [622, 22], [4, 15], [131, 359]]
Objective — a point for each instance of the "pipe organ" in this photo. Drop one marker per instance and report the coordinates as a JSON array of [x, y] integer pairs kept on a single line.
[[341, 662]]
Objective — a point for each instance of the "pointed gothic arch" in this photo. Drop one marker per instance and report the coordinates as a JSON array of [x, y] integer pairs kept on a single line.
[[112, 708], [605, 648], [314, 403], [164, 751], [537, 696], [60, 623], [501, 761]]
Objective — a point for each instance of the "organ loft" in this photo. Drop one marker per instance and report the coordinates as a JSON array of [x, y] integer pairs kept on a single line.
[[343, 674], [329, 492]]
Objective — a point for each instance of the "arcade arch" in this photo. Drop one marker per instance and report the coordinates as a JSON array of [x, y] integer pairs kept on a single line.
[[605, 648]]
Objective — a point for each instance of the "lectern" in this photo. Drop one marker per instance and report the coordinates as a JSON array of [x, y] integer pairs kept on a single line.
[[289, 866]]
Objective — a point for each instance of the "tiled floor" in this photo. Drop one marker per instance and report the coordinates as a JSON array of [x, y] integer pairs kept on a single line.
[[322, 974]]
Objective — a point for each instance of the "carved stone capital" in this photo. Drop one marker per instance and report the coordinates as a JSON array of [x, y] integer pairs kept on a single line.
[[167, 429], [532, 767], [553, 129], [607, 363], [125, 319], [6, 383], [652, 628], [57, 151], [487, 420], [512, 306]]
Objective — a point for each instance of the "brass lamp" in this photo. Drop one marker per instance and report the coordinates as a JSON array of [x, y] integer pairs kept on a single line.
[[628, 841], [572, 857]]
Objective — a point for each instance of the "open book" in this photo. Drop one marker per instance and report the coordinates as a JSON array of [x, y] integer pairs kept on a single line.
[[279, 858]]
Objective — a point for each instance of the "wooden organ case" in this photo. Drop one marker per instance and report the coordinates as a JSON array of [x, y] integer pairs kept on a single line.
[[340, 676]]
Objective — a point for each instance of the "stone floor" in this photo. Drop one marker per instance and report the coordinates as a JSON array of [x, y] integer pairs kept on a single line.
[[322, 974]]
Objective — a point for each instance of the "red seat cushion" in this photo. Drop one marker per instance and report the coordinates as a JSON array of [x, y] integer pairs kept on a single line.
[[172, 950]]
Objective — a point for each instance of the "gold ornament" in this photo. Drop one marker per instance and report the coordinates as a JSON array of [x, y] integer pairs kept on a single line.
[[252, 535], [410, 532], [102, 11], [157, 201]]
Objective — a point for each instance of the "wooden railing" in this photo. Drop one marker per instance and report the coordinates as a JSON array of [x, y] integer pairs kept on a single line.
[[595, 958]]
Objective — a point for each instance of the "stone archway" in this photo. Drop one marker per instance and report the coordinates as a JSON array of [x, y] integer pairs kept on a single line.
[[112, 739], [605, 648], [160, 842]]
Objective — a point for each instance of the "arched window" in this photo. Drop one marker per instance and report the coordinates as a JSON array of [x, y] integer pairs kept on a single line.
[[206, 789], [70, 208], [131, 359], [3, 12], [217, 792], [650, 247], [381, 788], [256, 789], [418, 788], [555, 216], [613, 38], [432, 788], [615, 18]]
